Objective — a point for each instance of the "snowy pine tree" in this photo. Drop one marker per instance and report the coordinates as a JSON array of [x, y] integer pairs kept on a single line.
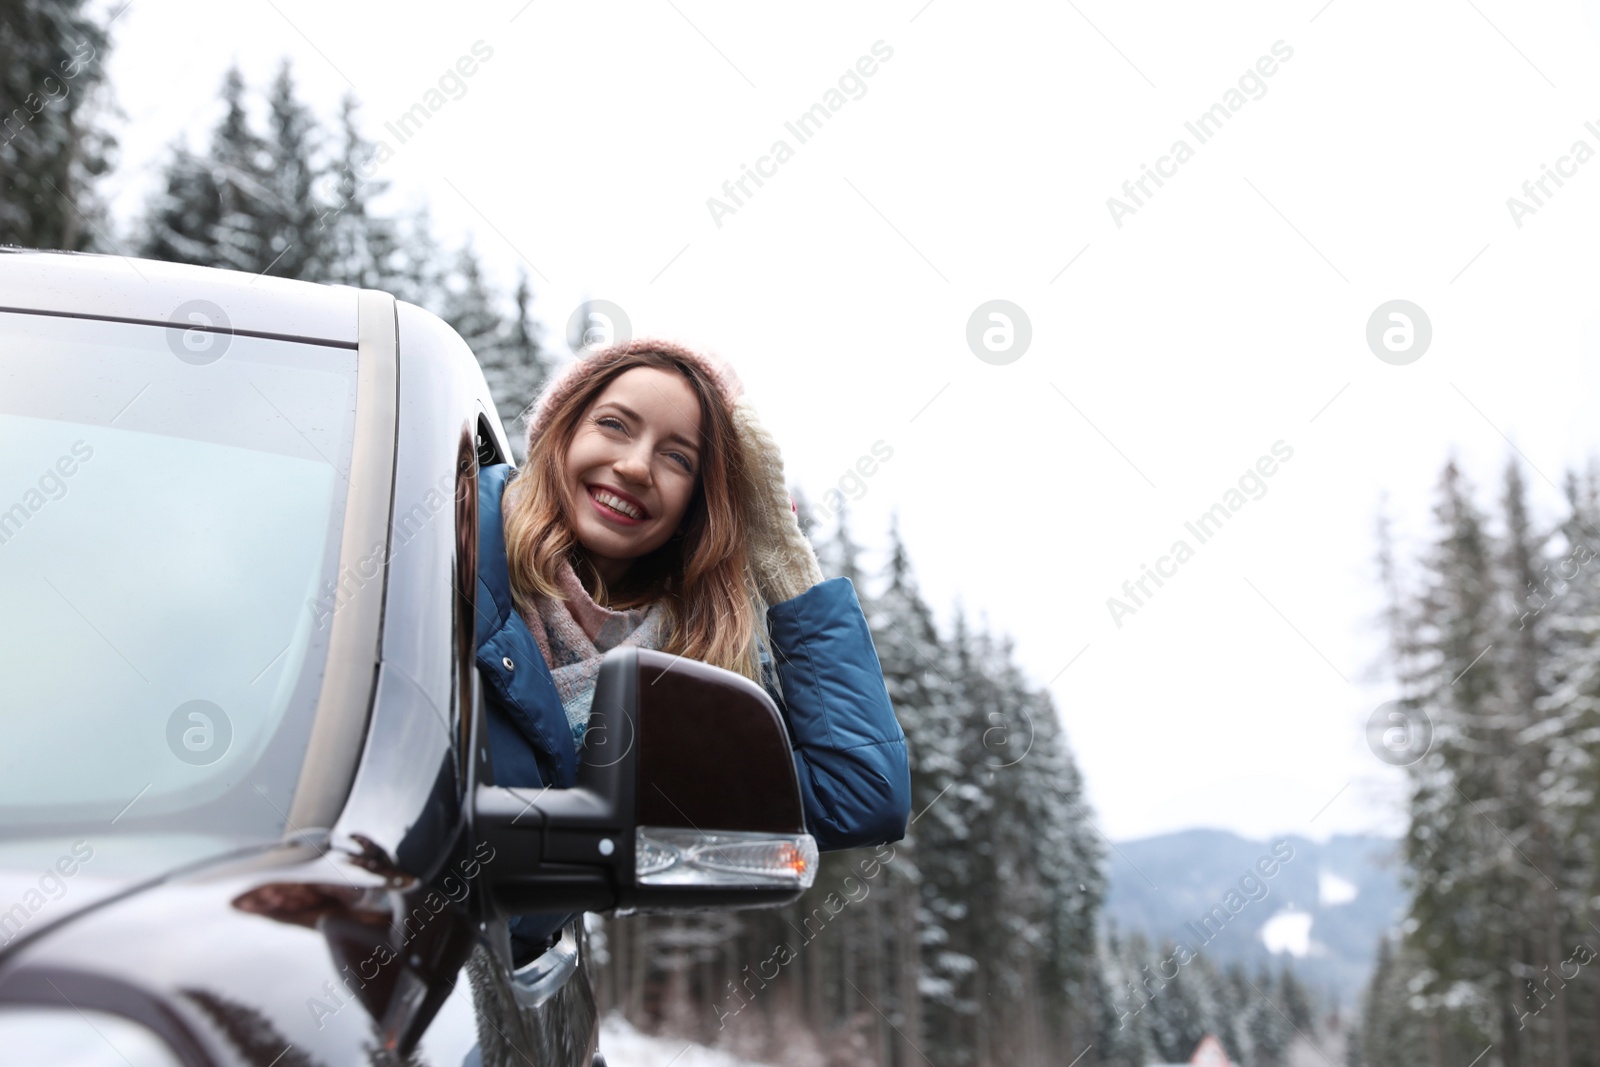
[[291, 222], [361, 246], [288, 204], [515, 367], [53, 149], [216, 211], [182, 218], [1266, 1027], [1499, 649], [420, 274]]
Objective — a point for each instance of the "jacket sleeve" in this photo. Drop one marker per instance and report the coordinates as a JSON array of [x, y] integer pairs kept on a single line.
[[849, 750]]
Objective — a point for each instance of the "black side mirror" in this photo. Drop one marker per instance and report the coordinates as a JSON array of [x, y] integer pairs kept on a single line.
[[686, 798]]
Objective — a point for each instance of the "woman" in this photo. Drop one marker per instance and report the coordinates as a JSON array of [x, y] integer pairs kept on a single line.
[[652, 511]]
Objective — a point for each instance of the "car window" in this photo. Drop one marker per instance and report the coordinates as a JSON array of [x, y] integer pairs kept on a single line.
[[170, 514]]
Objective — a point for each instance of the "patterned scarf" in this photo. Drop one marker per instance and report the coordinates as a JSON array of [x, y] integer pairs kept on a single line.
[[576, 633]]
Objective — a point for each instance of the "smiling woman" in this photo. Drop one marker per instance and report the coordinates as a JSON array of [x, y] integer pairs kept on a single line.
[[653, 512], [624, 527]]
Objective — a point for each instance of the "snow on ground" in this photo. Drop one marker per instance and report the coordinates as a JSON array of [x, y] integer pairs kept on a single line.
[[1288, 931], [1333, 890], [1329, 1048], [623, 1046]]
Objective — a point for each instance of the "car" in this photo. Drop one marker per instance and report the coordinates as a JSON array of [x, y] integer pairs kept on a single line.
[[247, 814]]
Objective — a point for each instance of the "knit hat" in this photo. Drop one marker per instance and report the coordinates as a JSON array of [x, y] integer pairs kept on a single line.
[[564, 382]]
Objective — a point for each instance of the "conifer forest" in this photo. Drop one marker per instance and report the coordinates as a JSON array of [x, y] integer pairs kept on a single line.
[[982, 938]]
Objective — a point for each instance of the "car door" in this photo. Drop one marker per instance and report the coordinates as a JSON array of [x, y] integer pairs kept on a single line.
[[422, 757], [543, 1012], [552, 993]]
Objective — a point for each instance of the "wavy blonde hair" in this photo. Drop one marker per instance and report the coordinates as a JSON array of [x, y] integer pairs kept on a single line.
[[713, 613]]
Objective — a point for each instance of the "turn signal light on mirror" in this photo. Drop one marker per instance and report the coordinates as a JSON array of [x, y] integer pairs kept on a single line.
[[671, 856]]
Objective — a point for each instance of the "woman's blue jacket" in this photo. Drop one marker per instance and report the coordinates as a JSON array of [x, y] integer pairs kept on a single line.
[[849, 750]]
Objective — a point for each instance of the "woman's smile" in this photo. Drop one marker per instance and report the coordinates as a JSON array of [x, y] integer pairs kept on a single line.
[[617, 506]]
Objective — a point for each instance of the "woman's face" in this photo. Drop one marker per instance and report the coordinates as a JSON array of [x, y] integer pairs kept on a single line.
[[633, 466]]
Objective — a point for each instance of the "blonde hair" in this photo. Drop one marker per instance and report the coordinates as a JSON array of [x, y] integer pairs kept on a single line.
[[703, 577]]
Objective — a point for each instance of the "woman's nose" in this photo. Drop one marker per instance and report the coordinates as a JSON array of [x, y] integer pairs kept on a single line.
[[634, 465]]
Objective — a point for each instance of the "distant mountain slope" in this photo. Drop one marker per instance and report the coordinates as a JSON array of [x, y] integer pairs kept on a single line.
[[1348, 890]]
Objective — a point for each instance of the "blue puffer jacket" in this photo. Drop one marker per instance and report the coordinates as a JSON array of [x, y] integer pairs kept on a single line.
[[849, 750]]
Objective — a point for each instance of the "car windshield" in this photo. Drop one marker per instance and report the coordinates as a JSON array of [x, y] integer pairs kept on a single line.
[[171, 505]]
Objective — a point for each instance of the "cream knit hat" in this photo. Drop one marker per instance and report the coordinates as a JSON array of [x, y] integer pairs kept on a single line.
[[597, 361]]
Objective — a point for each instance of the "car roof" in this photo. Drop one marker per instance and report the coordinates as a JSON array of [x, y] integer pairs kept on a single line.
[[89, 285]]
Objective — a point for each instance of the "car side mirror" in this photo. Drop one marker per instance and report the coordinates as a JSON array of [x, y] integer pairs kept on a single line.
[[686, 797]]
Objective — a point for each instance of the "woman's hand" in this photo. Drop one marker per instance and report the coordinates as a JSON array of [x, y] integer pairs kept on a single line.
[[784, 562]]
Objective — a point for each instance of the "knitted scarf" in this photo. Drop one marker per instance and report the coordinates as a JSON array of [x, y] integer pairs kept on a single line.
[[576, 633]]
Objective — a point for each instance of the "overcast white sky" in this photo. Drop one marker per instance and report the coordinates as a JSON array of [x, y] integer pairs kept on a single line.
[[1228, 313]]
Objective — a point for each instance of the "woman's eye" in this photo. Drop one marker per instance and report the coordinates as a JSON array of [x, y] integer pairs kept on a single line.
[[606, 420], [687, 464]]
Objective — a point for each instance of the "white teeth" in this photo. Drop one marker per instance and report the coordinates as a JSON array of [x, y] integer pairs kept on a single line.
[[617, 503]]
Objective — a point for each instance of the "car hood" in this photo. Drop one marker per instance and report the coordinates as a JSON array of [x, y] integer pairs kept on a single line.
[[236, 954], [46, 880]]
